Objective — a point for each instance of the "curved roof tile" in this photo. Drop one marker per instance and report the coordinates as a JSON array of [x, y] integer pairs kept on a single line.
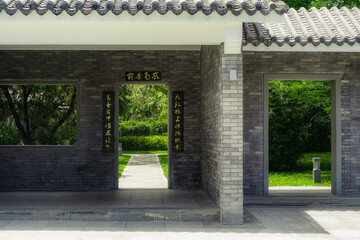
[[323, 26], [102, 7]]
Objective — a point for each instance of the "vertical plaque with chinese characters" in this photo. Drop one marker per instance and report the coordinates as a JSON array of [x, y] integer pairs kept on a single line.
[[178, 121], [108, 121]]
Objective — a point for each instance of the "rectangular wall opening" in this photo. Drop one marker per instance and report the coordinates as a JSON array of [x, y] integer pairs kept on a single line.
[[288, 150], [38, 115], [143, 136]]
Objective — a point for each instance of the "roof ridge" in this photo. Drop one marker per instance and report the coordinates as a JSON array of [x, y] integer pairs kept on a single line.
[[314, 26], [222, 7]]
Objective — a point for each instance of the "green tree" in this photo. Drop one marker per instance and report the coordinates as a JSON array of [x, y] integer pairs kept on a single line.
[[322, 3], [8, 134], [141, 102], [299, 120], [40, 112]]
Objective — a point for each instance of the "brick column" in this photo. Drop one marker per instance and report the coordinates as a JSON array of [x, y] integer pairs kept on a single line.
[[231, 192]]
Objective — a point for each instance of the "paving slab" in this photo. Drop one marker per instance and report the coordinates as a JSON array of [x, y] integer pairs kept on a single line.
[[301, 196], [117, 205], [269, 223]]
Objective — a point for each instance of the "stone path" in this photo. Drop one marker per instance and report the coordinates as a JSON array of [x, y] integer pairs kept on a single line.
[[143, 171]]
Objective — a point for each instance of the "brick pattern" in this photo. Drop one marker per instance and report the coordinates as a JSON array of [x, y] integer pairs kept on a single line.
[[222, 130], [84, 166], [211, 121], [258, 63]]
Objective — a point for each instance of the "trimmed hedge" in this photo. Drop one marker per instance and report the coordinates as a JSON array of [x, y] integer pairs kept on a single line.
[[144, 128], [144, 142]]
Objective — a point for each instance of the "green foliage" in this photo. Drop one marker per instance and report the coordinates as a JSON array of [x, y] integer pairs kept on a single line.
[[303, 174], [124, 101], [139, 102], [143, 128], [66, 136], [305, 161], [8, 134], [299, 120], [164, 164], [322, 3], [145, 152], [303, 178], [299, 3], [144, 142], [43, 114]]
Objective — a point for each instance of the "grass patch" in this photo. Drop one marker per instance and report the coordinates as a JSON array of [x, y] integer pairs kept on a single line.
[[164, 164], [123, 161], [298, 179], [145, 152], [302, 176]]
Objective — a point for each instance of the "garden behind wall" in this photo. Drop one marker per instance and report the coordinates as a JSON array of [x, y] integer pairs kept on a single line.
[[256, 64]]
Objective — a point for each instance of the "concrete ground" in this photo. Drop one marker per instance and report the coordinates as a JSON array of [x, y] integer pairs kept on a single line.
[[293, 213], [260, 223], [143, 171], [142, 196]]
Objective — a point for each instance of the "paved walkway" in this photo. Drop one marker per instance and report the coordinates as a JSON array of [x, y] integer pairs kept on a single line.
[[265, 223], [300, 191], [143, 171]]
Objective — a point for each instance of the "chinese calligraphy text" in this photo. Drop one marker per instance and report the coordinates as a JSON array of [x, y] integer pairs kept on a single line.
[[178, 121], [108, 121], [142, 76]]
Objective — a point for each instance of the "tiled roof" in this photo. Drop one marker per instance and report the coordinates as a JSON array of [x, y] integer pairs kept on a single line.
[[132, 7], [334, 26]]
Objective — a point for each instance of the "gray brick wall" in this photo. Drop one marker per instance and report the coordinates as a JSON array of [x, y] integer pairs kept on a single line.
[[222, 131], [258, 63], [84, 166], [211, 149]]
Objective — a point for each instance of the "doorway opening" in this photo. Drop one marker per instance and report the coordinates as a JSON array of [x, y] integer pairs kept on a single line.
[[143, 136], [291, 130]]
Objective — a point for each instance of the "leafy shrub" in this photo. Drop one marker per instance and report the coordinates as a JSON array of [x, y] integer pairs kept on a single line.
[[144, 142], [8, 135], [158, 127], [143, 128], [66, 136], [299, 121]]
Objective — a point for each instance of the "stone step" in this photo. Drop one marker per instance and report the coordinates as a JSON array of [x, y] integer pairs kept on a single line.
[[295, 201], [128, 214]]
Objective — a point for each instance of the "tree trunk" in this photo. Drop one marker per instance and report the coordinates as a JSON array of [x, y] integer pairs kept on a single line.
[[52, 139], [24, 135]]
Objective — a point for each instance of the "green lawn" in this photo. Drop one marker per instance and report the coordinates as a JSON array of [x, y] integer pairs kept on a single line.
[[146, 152], [123, 161], [303, 178], [164, 164], [303, 175]]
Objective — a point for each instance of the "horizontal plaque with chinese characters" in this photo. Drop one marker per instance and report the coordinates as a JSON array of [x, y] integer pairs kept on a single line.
[[108, 121], [142, 76], [178, 121]]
